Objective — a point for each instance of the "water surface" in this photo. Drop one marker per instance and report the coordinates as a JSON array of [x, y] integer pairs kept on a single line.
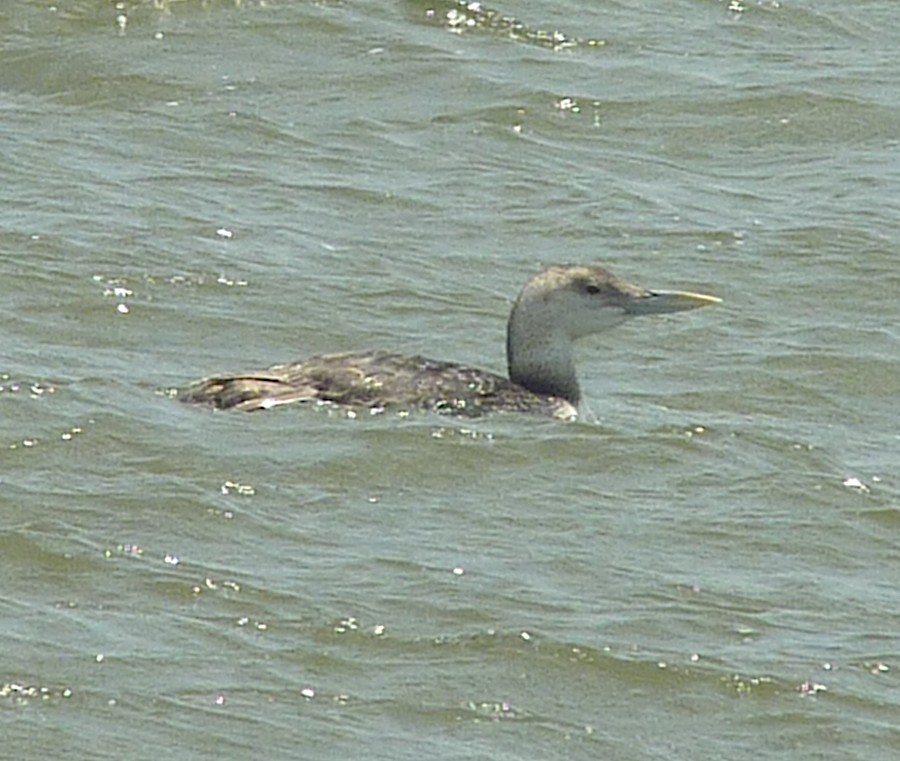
[[707, 570]]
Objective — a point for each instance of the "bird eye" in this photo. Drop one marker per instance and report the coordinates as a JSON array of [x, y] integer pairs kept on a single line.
[[592, 289]]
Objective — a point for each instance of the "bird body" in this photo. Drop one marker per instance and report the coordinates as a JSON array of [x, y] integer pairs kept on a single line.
[[375, 380], [554, 309]]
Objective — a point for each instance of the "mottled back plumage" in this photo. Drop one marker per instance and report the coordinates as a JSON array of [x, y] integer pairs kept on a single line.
[[373, 380]]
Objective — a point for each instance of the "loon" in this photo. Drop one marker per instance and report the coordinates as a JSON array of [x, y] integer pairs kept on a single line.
[[555, 308]]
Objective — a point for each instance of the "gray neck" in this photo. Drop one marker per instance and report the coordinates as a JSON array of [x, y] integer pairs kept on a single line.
[[540, 358]]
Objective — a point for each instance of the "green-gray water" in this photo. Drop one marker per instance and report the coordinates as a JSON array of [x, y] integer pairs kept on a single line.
[[709, 570]]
